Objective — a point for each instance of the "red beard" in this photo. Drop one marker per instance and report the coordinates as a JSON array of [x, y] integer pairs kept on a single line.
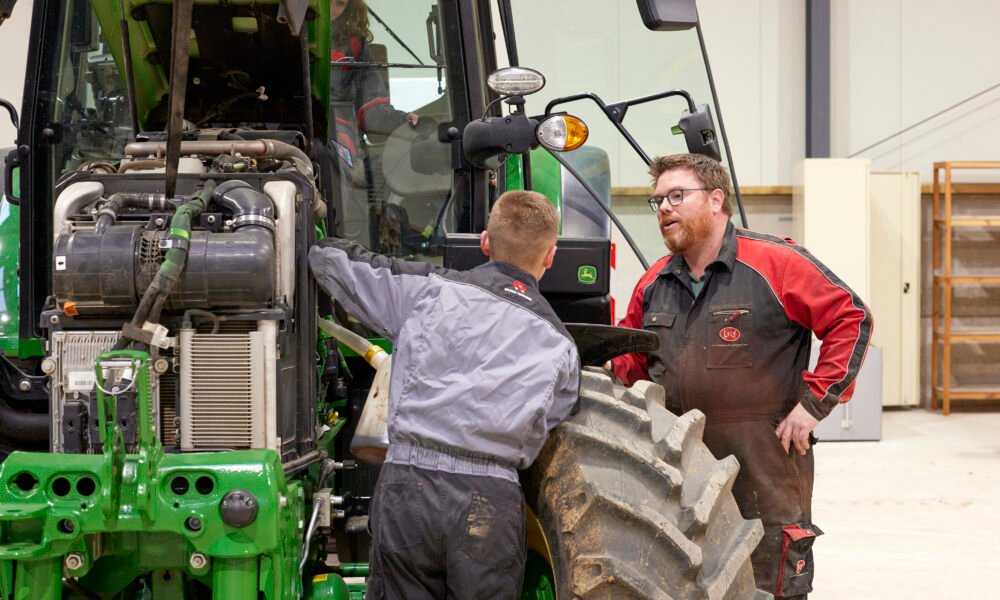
[[687, 232]]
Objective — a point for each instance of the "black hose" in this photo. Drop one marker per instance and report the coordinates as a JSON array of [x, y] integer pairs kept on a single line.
[[23, 426], [108, 213], [248, 206]]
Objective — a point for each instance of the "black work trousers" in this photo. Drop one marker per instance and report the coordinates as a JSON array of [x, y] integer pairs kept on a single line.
[[776, 487], [439, 535]]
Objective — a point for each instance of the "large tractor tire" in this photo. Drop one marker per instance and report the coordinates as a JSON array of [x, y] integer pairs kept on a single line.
[[634, 506]]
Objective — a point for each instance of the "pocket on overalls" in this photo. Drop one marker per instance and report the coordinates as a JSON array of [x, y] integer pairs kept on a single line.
[[730, 329], [660, 323], [494, 532], [795, 576]]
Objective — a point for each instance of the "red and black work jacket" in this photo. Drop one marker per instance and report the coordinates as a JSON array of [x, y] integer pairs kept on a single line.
[[740, 350]]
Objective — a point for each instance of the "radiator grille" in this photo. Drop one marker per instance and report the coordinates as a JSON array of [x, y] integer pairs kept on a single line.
[[222, 391], [168, 410]]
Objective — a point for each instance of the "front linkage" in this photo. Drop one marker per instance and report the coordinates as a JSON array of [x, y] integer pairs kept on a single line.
[[180, 524]]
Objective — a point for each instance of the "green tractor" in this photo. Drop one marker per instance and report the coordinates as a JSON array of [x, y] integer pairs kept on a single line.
[[176, 420]]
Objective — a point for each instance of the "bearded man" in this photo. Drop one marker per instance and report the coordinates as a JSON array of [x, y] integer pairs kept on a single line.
[[735, 312]]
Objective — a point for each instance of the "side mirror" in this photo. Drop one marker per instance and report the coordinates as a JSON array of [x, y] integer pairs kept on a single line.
[[699, 132], [668, 15]]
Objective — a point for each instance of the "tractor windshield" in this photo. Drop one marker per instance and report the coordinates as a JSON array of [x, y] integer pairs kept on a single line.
[[89, 114]]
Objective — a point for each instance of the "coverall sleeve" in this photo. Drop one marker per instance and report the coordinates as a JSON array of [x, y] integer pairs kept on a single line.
[[817, 299], [378, 290], [375, 112], [566, 390], [633, 367]]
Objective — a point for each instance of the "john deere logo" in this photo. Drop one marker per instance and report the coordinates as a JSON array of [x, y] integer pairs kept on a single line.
[[587, 274]]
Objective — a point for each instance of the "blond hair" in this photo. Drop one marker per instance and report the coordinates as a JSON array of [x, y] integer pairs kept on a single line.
[[522, 227], [710, 171]]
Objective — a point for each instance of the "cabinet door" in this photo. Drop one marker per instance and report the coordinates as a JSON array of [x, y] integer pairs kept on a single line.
[[895, 291]]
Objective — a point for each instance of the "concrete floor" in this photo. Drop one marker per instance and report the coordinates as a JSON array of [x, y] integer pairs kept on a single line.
[[916, 515]]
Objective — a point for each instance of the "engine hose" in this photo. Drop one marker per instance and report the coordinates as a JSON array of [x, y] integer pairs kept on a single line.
[[22, 426], [373, 354], [248, 206], [173, 263], [108, 214]]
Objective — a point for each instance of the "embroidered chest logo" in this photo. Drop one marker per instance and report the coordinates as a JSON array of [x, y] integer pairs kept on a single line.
[[799, 566], [730, 334]]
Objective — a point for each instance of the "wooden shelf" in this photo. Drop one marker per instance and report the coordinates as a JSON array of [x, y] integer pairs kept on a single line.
[[971, 392], [946, 227], [967, 164], [968, 335], [977, 221], [940, 279]]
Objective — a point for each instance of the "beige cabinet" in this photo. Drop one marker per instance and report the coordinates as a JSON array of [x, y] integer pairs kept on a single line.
[[865, 226]]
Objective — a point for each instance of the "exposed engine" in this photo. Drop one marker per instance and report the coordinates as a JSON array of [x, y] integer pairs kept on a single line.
[[206, 281]]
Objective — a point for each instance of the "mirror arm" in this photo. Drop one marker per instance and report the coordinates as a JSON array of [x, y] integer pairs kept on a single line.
[[13, 114], [614, 117]]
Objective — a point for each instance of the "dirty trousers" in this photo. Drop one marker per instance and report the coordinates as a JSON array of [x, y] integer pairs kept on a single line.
[[776, 487], [439, 535]]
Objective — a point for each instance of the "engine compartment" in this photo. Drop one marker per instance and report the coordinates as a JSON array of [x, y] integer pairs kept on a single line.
[[213, 282]]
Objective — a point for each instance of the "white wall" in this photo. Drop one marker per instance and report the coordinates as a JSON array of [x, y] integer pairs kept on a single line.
[[14, 50], [896, 63], [757, 51]]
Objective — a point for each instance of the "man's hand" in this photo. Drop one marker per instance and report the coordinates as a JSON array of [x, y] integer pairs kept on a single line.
[[795, 429]]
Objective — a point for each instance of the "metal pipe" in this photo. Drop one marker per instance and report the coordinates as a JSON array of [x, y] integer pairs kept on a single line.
[[317, 505], [269, 148], [294, 466], [141, 164]]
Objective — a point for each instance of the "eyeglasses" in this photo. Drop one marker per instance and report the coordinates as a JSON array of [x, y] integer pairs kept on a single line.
[[675, 197]]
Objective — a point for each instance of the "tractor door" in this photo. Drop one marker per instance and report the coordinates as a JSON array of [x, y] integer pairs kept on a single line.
[[399, 102]]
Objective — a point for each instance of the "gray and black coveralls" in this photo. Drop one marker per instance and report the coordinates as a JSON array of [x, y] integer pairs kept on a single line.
[[482, 371], [739, 353]]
